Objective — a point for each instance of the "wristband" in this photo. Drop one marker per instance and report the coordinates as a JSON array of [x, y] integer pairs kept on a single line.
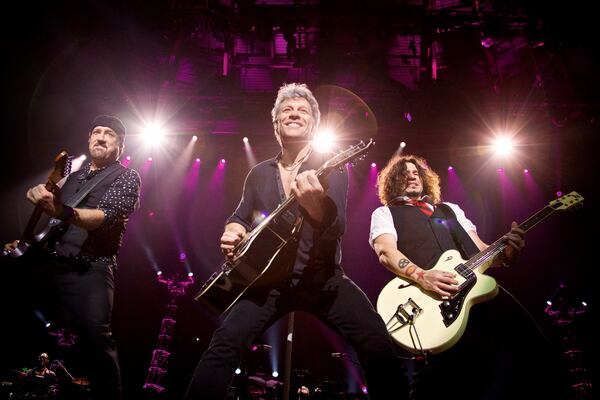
[[67, 213]]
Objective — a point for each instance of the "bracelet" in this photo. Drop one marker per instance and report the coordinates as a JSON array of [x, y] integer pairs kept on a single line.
[[67, 213]]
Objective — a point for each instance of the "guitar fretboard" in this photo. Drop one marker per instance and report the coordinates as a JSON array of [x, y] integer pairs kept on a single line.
[[499, 245]]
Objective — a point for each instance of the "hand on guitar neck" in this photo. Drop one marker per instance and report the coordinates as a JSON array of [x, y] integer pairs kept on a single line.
[[48, 201], [46, 198]]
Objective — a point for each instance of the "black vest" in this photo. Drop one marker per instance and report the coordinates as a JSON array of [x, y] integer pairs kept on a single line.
[[78, 242], [424, 239]]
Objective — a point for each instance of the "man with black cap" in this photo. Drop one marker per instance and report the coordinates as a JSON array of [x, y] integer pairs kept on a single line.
[[80, 265]]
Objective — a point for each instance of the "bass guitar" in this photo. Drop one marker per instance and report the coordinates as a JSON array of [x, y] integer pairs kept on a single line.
[[32, 237], [421, 321], [254, 255]]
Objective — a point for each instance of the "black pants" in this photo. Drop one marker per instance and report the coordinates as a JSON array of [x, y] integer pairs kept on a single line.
[[84, 293], [337, 301]]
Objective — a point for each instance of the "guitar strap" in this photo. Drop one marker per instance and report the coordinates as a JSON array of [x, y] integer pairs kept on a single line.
[[111, 171], [463, 241]]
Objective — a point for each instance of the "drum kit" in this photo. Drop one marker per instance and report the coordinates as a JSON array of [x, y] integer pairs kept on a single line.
[[254, 383], [28, 386]]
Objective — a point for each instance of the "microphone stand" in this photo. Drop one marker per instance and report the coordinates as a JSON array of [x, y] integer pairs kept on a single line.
[[288, 357]]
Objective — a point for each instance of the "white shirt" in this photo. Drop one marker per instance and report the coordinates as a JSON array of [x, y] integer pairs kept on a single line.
[[382, 221]]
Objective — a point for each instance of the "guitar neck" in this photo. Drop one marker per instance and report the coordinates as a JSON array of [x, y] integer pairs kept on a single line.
[[482, 260], [29, 232]]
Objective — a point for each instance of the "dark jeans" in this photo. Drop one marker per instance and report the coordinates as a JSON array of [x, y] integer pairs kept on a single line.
[[337, 301], [84, 293]]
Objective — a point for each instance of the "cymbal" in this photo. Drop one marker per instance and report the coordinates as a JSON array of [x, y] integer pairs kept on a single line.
[[17, 371], [81, 381], [271, 383]]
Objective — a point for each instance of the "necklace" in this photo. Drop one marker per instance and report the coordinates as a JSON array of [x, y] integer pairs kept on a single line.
[[292, 167]]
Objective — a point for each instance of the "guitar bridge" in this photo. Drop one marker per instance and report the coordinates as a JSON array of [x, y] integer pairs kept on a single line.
[[405, 314]]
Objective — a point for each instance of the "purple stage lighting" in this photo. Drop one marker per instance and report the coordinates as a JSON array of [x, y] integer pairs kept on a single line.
[[373, 165]]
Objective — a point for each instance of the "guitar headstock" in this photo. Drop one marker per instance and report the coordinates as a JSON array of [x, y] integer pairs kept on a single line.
[[567, 201], [352, 154], [62, 168]]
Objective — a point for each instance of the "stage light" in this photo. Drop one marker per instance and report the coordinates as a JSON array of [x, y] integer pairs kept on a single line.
[[128, 158], [502, 146], [450, 168], [150, 159], [77, 162], [275, 374], [197, 339], [403, 144], [559, 193], [245, 139], [526, 171], [190, 274], [182, 256], [153, 134], [238, 371], [373, 165], [158, 273], [323, 141], [364, 389], [500, 169], [194, 138], [223, 161], [197, 161]]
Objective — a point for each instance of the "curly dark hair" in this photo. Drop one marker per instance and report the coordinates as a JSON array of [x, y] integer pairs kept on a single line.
[[391, 181]]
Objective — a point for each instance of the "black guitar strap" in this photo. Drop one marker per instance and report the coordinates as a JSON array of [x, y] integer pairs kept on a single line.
[[111, 171]]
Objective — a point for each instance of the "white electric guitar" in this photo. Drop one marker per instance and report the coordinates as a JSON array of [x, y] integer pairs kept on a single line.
[[423, 322]]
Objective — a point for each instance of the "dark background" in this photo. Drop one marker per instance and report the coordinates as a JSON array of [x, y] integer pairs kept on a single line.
[[67, 62]]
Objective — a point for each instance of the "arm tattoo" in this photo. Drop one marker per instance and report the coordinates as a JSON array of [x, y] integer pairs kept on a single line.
[[403, 262]]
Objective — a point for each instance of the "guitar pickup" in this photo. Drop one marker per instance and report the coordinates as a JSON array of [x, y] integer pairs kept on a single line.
[[405, 314]]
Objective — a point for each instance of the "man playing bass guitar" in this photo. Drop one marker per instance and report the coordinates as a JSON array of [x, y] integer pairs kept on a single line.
[[76, 267]]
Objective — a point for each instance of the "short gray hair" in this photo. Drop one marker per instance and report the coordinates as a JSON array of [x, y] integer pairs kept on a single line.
[[292, 91]]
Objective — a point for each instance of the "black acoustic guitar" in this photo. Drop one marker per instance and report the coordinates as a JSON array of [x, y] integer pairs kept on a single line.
[[31, 236], [255, 254]]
